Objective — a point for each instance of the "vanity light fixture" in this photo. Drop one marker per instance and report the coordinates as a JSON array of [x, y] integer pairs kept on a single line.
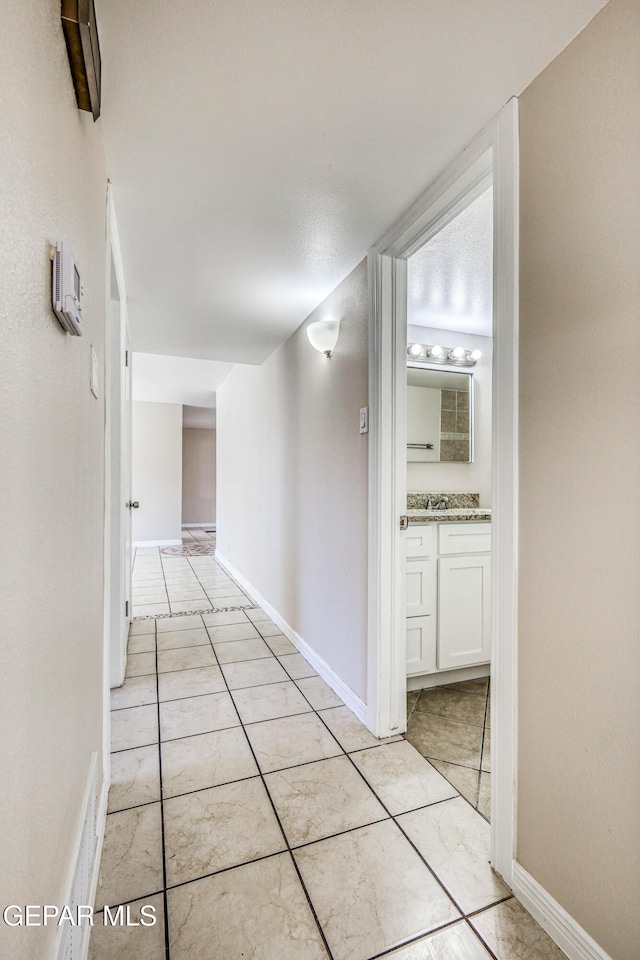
[[453, 356], [323, 335]]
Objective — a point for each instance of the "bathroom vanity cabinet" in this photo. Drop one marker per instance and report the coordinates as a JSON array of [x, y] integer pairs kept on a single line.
[[448, 594]]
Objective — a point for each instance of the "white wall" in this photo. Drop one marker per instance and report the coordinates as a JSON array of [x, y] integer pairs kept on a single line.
[[198, 475], [292, 482], [579, 606], [52, 187], [460, 477], [157, 471]]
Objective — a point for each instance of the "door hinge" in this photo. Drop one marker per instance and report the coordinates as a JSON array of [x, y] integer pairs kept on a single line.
[[126, 608], [126, 358], [404, 522]]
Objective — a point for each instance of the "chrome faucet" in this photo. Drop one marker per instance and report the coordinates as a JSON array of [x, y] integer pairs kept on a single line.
[[437, 504]]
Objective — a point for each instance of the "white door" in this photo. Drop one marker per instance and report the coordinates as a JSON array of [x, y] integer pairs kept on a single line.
[[464, 611], [126, 476]]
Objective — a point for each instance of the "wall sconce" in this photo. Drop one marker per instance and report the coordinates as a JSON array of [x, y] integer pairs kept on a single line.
[[323, 335], [453, 356]]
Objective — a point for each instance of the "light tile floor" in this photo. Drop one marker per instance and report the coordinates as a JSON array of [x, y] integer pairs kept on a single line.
[[451, 727], [264, 822]]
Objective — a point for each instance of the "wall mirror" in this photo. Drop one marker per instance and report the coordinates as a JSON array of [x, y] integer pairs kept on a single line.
[[439, 415]]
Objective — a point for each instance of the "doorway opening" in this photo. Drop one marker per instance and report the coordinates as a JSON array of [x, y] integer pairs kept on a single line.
[[488, 167]]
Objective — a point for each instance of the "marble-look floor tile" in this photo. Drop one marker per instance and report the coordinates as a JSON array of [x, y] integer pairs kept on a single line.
[[134, 692], [176, 639], [185, 658], [457, 942], [253, 673], [235, 651], [290, 741], [135, 778], [479, 686], [401, 777], [349, 732], [225, 591], [445, 739], [255, 912], [150, 609], [412, 699], [233, 631], [142, 942], [486, 753], [205, 760], [455, 841], [131, 864], [320, 799], [218, 828], [371, 891], [144, 643], [224, 619], [190, 683], [269, 702], [464, 779], [453, 704], [296, 666], [484, 796], [267, 628], [179, 623], [142, 627], [318, 693], [140, 665], [193, 715], [513, 934], [134, 727], [257, 613], [280, 645], [190, 606]]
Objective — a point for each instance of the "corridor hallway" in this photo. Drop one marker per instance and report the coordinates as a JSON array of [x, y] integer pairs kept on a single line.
[[250, 808]]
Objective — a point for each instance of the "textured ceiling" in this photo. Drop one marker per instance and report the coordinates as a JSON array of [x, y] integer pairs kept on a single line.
[[450, 279], [259, 147]]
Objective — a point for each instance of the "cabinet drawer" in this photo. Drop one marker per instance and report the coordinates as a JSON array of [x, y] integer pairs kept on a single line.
[[421, 645], [422, 584], [464, 538], [421, 540]]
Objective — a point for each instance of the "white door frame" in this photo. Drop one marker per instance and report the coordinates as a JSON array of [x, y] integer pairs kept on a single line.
[[491, 157], [117, 577]]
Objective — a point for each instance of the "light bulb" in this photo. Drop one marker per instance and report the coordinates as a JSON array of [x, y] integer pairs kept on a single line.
[[475, 354], [435, 351], [457, 353], [415, 349]]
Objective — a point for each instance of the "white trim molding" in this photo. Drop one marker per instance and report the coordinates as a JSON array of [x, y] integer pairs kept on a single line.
[[339, 687], [491, 159], [554, 919]]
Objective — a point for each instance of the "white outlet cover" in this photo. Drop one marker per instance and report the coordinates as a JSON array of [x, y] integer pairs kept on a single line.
[[94, 373]]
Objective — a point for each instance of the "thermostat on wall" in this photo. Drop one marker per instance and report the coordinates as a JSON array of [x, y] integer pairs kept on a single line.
[[66, 290]]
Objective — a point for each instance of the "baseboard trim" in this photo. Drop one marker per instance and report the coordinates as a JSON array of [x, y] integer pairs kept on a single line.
[[157, 543], [61, 947], [193, 526], [321, 667], [554, 919]]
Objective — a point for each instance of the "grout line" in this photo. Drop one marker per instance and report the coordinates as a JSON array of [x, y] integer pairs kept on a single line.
[[284, 835]]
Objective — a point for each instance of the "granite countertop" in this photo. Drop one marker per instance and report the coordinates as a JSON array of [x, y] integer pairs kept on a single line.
[[458, 514]]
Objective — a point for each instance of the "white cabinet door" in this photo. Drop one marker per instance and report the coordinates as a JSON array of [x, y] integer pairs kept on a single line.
[[421, 587], [421, 645], [464, 611], [420, 540]]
